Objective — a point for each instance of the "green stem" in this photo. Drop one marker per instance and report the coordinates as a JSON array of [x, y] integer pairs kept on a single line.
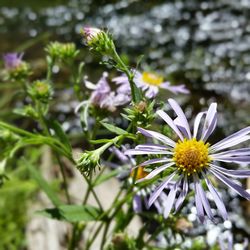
[[129, 74]]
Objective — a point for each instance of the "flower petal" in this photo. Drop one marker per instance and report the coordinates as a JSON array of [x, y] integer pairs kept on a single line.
[[182, 120], [198, 204], [233, 152], [154, 161], [197, 123], [169, 202], [203, 198], [147, 152], [217, 199], [237, 188], [158, 136], [137, 204], [156, 171], [151, 146], [170, 123], [236, 159], [232, 140], [182, 195], [232, 173], [210, 121], [159, 189]]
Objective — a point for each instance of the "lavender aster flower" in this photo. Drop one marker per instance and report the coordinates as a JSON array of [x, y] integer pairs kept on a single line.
[[103, 97], [192, 159], [12, 60], [149, 82]]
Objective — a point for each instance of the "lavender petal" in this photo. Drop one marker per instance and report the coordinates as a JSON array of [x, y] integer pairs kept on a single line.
[[182, 195], [232, 173], [154, 161], [170, 122], [217, 199], [158, 136], [237, 188], [232, 140], [156, 171], [147, 152], [210, 121], [151, 146], [182, 120], [197, 123], [159, 189], [137, 204], [203, 198], [170, 200]]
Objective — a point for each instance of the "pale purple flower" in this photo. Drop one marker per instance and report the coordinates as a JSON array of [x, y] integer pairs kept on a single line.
[[103, 97], [149, 82], [12, 60], [192, 159]]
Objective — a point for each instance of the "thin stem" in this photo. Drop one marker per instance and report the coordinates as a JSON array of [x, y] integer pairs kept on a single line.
[[125, 69]]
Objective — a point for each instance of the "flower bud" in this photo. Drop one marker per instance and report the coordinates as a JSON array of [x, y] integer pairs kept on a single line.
[[62, 51], [15, 68], [99, 40], [41, 90], [88, 161]]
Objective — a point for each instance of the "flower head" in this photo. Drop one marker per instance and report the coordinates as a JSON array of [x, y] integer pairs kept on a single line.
[[191, 159], [149, 82], [103, 97], [12, 60], [99, 40], [91, 34]]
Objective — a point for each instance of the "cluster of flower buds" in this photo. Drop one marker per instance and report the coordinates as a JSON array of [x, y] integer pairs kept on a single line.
[[98, 40], [88, 161], [41, 90], [15, 68], [61, 51]]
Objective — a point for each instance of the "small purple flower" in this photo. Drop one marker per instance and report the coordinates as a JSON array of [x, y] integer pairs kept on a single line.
[[192, 159], [91, 34], [12, 60], [149, 82], [103, 97]]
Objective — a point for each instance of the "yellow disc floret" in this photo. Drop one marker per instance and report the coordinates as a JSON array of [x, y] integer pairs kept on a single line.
[[191, 156], [152, 78]]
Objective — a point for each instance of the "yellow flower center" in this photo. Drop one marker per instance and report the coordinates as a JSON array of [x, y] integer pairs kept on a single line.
[[191, 156], [152, 78], [138, 173]]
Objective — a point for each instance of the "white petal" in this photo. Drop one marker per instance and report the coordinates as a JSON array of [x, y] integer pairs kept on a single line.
[[182, 120], [170, 123]]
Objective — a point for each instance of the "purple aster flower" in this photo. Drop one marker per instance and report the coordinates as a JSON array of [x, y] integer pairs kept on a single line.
[[192, 159], [103, 97], [12, 60], [149, 82]]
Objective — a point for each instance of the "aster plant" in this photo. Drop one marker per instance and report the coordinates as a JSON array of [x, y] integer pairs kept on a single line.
[[192, 159]]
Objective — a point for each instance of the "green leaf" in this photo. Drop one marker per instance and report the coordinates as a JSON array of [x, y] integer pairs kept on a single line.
[[104, 177], [114, 129], [43, 184], [60, 133], [72, 213]]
